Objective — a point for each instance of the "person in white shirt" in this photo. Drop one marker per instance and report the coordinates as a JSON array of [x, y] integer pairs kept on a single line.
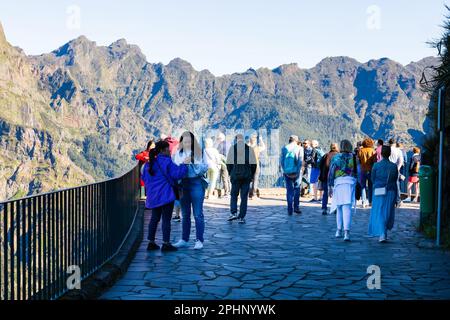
[[396, 157], [193, 189], [213, 158], [221, 146]]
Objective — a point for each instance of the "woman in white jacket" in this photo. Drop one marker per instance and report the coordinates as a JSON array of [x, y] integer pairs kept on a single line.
[[341, 184], [192, 189]]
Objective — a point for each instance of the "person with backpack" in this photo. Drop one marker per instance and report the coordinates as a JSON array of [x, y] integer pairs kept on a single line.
[[291, 161], [317, 154], [324, 170], [241, 164], [367, 158], [159, 176]]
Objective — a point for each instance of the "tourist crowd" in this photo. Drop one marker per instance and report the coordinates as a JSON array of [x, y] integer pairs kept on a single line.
[[177, 175]]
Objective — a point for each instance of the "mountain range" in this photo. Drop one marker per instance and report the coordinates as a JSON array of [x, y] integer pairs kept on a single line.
[[79, 113]]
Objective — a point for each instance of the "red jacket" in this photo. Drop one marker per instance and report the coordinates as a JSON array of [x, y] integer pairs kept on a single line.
[[142, 157]]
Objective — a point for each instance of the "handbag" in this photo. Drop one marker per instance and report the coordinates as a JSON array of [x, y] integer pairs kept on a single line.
[[175, 187], [381, 191]]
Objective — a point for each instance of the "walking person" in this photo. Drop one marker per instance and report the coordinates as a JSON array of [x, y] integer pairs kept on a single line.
[[324, 170], [291, 161], [159, 176], [213, 159], [384, 179], [258, 146], [193, 188], [241, 164], [221, 146], [341, 186], [413, 179], [367, 158]]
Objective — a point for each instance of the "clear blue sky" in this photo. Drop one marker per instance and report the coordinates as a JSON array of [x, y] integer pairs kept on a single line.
[[229, 36]]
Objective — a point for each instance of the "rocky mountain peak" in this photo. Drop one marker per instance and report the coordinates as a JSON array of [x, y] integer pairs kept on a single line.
[[286, 69], [179, 63], [80, 45]]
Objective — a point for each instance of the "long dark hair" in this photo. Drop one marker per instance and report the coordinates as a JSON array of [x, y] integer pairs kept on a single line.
[[160, 146], [196, 150]]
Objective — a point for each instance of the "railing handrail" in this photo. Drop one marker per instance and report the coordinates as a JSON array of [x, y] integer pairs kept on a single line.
[[70, 188]]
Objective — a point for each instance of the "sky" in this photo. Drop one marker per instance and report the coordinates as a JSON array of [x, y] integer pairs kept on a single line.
[[229, 36]]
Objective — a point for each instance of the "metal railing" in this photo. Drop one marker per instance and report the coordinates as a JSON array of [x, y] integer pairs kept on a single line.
[[45, 236]]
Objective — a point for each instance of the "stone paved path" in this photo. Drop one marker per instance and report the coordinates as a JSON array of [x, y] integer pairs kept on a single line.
[[276, 256]]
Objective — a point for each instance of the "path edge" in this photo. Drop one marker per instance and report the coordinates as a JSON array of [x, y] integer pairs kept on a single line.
[[103, 279]]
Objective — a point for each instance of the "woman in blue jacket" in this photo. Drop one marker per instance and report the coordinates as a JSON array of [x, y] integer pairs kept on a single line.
[[160, 175], [384, 181]]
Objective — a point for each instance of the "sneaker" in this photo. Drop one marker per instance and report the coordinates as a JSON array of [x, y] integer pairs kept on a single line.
[[338, 233], [346, 235], [168, 247], [227, 196], [407, 200], [181, 244], [416, 200], [298, 211], [198, 245], [152, 246], [177, 219], [232, 217], [241, 220], [382, 238]]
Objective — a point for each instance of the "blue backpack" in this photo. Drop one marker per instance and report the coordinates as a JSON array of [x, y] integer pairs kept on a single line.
[[290, 162]]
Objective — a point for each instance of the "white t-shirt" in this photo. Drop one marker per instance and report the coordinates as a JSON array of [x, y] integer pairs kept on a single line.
[[396, 157]]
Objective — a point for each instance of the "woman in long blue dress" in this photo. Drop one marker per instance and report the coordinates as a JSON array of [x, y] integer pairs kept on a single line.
[[382, 216]]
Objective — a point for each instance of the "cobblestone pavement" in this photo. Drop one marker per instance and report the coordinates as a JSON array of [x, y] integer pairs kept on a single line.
[[276, 256]]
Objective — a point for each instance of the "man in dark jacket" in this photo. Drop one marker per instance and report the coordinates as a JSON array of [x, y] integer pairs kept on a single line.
[[241, 164], [324, 170]]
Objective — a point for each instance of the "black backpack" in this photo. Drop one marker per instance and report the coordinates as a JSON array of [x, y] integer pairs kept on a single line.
[[241, 171]]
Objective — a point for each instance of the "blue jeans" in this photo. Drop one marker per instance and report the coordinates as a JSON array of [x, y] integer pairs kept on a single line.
[[366, 186], [293, 193], [193, 196], [325, 195], [241, 187], [165, 212]]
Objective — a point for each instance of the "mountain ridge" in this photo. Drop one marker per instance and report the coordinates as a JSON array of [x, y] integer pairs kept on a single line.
[[96, 106]]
